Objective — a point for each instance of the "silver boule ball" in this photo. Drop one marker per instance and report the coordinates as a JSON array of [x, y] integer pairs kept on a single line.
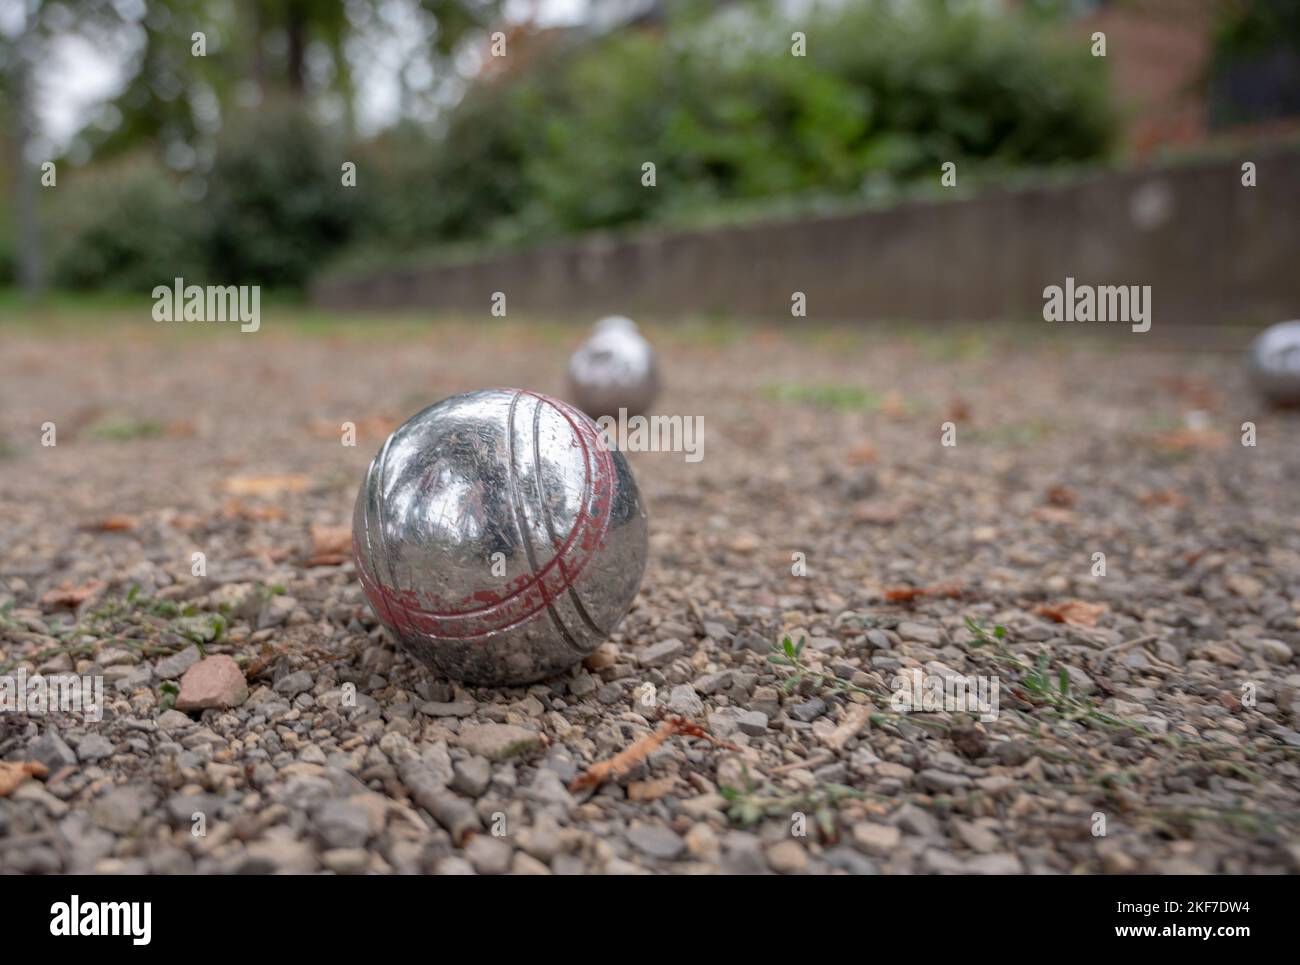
[[614, 369], [497, 537], [1274, 360]]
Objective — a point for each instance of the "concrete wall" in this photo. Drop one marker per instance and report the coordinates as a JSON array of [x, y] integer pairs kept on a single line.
[[1211, 249]]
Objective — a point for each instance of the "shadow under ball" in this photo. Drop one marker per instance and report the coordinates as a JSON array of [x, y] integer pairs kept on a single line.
[[497, 538]]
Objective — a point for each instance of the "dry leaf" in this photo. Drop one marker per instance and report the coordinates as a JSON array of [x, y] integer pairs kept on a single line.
[[862, 454], [261, 662], [1163, 497], [893, 404], [876, 514], [13, 773], [855, 718], [188, 521], [331, 539], [112, 524], [970, 740], [234, 509], [1062, 496], [650, 790], [276, 554], [330, 546], [1189, 440], [612, 767], [1077, 613], [1054, 514], [906, 594], [1199, 392], [71, 596], [264, 485]]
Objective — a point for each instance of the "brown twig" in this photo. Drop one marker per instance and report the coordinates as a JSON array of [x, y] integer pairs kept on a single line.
[[622, 762]]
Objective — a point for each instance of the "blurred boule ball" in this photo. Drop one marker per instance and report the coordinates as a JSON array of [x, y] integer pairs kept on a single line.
[[1274, 360], [497, 538], [614, 369]]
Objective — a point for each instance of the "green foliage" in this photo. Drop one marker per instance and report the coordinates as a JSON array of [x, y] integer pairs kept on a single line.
[[294, 48], [276, 205], [274, 208], [982, 636], [823, 396], [1253, 72], [749, 805], [460, 183], [956, 86], [1253, 27], [555, 144], [882, 98], [150, 626], [8, 250], [121, 227], [124, 430]]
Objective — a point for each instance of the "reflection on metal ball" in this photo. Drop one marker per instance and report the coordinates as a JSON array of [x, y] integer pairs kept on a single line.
[[1274, 361], [497, 537], [614, 369]]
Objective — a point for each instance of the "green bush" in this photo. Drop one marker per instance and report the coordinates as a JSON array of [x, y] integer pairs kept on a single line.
[[455, 183], [1254, 69], [121, 227], [732, 121], [276, 205], [273, 209], [8, 254], [956, 86], [886, 92]]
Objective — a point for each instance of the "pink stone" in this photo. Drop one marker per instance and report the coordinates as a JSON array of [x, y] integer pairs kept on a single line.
[[212, 682]]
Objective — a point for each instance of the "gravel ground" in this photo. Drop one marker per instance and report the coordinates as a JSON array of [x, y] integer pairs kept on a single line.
[[1147, 719]]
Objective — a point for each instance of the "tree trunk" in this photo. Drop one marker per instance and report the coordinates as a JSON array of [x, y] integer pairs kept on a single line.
[[31, 268], [296, 30], [257, 30]]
